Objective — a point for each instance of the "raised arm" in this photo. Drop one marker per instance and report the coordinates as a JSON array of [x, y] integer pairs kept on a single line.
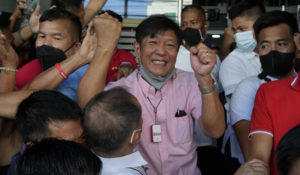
[[92, 8], [107, 30], [26, 32], [212, 120], [10, 61], [51, 78], [10, 101]]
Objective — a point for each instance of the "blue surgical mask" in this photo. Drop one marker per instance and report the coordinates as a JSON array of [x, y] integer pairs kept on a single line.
[[245, 41]]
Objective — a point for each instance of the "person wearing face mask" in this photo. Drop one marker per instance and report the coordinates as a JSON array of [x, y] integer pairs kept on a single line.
[[58, 38], [241, 63], [274, 33], [194, 24], [276, 107]]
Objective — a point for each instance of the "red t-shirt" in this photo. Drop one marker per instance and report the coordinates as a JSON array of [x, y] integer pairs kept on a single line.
[[276, 111], [27, 72]]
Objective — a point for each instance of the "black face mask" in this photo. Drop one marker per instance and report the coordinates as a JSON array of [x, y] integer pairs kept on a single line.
[[297, 64], [192, 36], [48, 56], [277, 63]]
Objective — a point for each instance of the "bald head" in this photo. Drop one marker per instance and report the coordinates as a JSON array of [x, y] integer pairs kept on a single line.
[[110, 118]]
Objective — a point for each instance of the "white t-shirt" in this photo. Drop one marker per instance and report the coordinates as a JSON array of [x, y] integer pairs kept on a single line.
[[242, 100], [237, 66], [131, 164]]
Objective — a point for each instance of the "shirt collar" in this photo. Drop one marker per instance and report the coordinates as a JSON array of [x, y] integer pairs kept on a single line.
[[296, 83], [248, 55], [129, 161], [147, 89]]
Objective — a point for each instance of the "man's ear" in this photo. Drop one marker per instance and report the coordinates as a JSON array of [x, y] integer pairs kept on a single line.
[[137, 51], [297, 40], [136, 47], [136, 138]]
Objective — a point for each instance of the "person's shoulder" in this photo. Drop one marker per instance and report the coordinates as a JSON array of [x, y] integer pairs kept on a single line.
[[276, 87], [279, 83]]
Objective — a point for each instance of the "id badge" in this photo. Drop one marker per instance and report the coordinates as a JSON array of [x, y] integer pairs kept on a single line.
[[156, 133]]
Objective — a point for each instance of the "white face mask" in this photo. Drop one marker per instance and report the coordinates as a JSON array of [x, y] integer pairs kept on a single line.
[[245, 41]]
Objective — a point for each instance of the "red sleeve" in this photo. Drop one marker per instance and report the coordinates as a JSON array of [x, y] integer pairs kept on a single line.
[[261, 120], [27, 72]]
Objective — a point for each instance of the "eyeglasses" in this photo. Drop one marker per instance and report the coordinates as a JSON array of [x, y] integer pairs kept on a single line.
[[132, 135]]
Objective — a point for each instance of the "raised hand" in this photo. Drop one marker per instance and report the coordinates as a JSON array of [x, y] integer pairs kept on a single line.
[[89, 45], [203, 61], [253, 167], [8, 56], [108, 30], [34, 20]]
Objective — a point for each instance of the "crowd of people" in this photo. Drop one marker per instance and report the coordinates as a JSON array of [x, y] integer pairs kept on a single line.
[[72, 102]]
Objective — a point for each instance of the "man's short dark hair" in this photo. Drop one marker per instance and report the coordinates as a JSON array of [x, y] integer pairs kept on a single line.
[[156, 24], [60, 157], [42, 108], [59, 13], [288, 150], [72, 6], [110, 118], [251, 9], [275, 18], [194, 6], [113, 14]]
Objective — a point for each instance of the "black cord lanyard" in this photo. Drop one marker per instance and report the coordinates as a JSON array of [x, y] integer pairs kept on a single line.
[[155, 108]]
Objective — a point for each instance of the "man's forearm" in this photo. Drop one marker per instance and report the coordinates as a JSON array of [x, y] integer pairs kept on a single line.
[[93, 81], [20, 36], [212, 120], [9, 102], [91, 10], [241, 129], [51, 78], [7, 81]]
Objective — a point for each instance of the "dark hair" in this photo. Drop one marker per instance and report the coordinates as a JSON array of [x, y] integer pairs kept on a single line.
[[67, 3], [59, 13], [42, 108], [156, 24], [247, 8], [275, 18], [61, 157], [113, 14], [110, 118], [194, 6], [4, 18], [288, 150]]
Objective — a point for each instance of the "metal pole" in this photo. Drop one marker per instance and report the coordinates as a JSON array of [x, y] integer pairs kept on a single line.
[[126, 9], [180, 4]]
